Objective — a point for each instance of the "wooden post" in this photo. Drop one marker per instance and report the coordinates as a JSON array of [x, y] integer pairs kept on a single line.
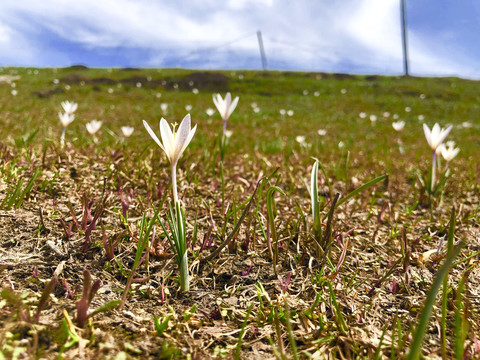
[[404, 38], [262, 50]]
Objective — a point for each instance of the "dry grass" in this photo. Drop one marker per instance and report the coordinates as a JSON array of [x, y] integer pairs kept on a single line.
[[359, 298]]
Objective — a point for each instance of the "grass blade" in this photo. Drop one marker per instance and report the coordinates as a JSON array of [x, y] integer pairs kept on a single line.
[[161, 326], [238, 348], [424, 318], [443, 321], [327, 235], [317, 224], [361, 188], [272, 213], [461, 320], [330, 189], [342, 325]]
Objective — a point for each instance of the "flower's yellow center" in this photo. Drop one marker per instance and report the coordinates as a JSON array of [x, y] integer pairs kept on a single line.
[[174, 125]]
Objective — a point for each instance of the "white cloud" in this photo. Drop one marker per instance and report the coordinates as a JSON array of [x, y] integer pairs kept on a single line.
[[13, 47], [240, 4], [5, 36], [376, 25], [347, 35]]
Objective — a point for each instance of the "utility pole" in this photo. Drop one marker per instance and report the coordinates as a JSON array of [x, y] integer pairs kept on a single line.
[[262, 50], [404, 37]]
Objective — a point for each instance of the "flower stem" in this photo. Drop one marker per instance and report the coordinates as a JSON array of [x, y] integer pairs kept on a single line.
[[223, 185], [434, 160], [174, 183], [184, 276], [62, 137], [179, 235], [224, 128], [400, 145]]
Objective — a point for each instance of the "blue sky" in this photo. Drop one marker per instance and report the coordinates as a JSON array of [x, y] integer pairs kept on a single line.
[[353, 36]]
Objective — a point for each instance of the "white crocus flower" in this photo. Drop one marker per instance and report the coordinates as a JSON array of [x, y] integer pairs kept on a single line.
[[173, 143], [93, 126], [228, 134], [398, 125], [322, 132], [210, 111], [127, 130], [300, 139], [225, 107], [69, 107], [66, 118], [449, 152], [436, 136]]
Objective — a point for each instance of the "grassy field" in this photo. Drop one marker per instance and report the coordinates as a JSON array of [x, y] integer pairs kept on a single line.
[[391, 271]]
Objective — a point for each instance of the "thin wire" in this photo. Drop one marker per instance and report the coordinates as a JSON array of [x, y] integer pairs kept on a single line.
[[211, 48], [281, 42]]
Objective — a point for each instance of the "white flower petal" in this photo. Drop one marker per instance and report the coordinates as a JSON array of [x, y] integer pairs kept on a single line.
[[232, 107], [167, 139], [435, 136], [189, 138], [449, 153], [153, 135], [127, 130], [181, 136], [173, 144], [444, 133], [69, 107], [66, 118], [440, 148], [93, 126], [428, 134], [219, 103], [225, 106], [228, 100]]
